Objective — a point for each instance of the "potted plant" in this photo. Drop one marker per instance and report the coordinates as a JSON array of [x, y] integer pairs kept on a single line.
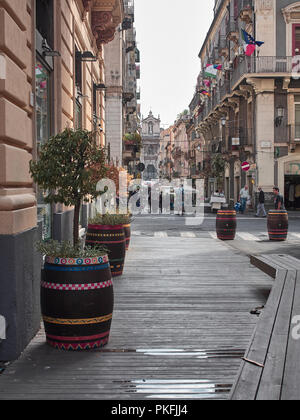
[[108, 230], [76, 290]]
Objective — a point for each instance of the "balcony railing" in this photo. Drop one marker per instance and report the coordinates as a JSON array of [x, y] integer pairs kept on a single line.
[[257, 65]]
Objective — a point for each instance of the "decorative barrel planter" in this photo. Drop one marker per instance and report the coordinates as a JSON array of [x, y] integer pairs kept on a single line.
[[278, 225], [127, 230], [77, 302], [226, 225], [113, 239]]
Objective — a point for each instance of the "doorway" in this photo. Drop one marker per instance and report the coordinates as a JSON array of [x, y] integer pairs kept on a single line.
[[292, 192]]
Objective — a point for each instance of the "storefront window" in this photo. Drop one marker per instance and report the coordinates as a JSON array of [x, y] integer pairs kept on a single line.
[[43, 132]]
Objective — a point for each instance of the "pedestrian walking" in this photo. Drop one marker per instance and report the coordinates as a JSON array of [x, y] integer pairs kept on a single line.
[[244, 198], [278, 199], [261, 203]]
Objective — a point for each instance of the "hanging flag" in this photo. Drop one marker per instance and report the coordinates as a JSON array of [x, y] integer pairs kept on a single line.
[[212, 70], [207, 83], [204, 92], [249, 43]]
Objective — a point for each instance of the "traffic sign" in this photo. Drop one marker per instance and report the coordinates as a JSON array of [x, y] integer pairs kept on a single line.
[[246, 166]]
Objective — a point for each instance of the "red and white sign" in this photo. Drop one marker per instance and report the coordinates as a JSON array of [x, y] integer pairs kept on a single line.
[[246, 166]]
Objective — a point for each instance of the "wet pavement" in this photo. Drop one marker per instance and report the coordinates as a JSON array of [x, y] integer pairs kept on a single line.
[[180, 327]]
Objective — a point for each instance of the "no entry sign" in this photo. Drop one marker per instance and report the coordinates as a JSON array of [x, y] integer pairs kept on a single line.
[[246, 166]]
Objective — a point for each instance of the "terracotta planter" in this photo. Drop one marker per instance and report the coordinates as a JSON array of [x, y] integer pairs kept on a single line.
[[113, 238], [77, 302]]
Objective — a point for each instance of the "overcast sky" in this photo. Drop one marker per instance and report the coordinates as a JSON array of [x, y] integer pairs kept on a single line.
[[170, 34]]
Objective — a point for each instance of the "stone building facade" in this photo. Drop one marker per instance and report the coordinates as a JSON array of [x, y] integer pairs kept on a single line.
[[151, 147], [51, 77], [253, 112], [122, 111]]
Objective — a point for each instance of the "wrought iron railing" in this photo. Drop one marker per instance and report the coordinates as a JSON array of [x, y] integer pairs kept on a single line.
[[250, 65]]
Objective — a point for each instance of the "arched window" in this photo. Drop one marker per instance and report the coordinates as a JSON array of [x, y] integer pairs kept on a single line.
[[150, 128]]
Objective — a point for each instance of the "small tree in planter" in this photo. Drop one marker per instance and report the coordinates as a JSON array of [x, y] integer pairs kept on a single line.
[[76, 288], [69, 167]]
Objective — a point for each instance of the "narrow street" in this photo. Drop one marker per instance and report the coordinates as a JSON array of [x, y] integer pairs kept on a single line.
[[251, 237], [181, 324]]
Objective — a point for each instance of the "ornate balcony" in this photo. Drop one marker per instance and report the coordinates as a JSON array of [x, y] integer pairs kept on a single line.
[[106, 15], [246, 11], [232, 31]]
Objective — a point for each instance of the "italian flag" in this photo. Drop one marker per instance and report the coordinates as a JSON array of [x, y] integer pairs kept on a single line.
[[212, 70]]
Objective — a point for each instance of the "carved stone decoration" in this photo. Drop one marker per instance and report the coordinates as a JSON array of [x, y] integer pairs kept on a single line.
[[291, 13], [106, 16], [101, 21], [86, 4]]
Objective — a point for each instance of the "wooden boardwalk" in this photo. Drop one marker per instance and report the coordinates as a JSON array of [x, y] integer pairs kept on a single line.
[[181, 324]]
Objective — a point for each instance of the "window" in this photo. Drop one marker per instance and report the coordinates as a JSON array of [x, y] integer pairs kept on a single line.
[[44, 20], [296, 39], [42, 91], [150, 128], [297, 116], [78, 84], [95, 114], [43, 76]]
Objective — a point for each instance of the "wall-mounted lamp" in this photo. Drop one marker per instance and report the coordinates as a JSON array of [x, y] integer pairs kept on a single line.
[[86, 56], [280, 113], [223, 121], [47, 51], [100, 86]]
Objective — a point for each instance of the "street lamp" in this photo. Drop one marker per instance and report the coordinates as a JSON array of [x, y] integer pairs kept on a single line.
[[280, 115], [86, 56]]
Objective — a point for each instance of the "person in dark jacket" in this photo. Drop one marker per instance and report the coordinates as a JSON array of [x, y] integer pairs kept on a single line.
[[261, 203]]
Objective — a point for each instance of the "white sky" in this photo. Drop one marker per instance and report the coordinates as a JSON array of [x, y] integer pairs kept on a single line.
[[170, 34]]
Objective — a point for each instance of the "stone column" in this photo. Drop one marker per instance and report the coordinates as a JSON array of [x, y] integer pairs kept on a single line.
[[20, 264], [264, 130]]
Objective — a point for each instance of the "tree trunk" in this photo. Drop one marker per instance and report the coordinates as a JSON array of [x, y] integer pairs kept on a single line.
[[76, 223]]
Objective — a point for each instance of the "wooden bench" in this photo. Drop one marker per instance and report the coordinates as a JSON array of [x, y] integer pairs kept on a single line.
[[271, 366]]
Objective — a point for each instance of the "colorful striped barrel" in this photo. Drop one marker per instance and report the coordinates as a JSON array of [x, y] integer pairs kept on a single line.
[[226, 225], [127, 230], [278, 225], [77, 302], [112, 238]]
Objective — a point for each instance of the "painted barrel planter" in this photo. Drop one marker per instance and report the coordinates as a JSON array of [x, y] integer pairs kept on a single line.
[[77, 302], [127, 230], [226, 225], [113, 238], [278, 225]]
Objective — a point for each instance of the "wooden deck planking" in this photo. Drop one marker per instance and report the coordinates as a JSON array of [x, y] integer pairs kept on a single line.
[[192, 295]]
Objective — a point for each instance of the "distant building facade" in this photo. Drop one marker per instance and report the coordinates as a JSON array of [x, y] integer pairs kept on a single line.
[[253, 112], [151, 146]]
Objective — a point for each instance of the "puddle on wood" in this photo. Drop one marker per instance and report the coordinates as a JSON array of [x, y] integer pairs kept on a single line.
[[175, 388], [197, 353], [171, 389]]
